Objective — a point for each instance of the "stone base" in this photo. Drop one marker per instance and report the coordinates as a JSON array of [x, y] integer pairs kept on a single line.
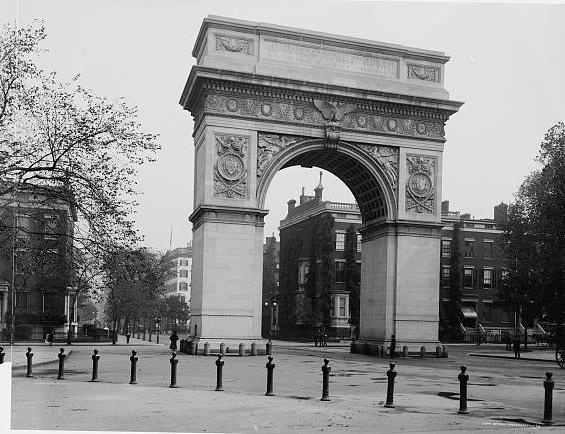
[[381, 348], [231, 344]]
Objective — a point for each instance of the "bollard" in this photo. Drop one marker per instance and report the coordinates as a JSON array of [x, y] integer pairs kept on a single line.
[[144, 334], [157, 337], [438, 351], [270, 367], [405, 351], [422, 352], [29, 356], [2, 354], [174, 361], [269, 348], [241, 349], [444, 352], [196, 348], [95, 359], [548, 403], [391, 374], [326, 381], [463, 378], [219, 366], [61, 357], [207, 349], [222, 349], [190, 347], [149, 336], [253, 349], [133, 359]]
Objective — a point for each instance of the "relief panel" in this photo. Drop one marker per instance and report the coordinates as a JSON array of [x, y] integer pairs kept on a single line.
[[421, 184], [230, 168]]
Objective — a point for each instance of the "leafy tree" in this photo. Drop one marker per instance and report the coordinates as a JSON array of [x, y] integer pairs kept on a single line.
[[173, 310], [325, 275], [352, 274], [288, 276], [455, 278]]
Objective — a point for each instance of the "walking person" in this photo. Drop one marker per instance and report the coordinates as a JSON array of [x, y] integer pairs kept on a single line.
[[392, 347], [517, 346], [316, 338], [128, 335], [174, 338]]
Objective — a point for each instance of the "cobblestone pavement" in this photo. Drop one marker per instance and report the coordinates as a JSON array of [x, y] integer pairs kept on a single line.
[[504, 393]]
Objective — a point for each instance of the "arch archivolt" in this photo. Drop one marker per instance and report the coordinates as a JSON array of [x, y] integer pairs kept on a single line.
[[369, 171]]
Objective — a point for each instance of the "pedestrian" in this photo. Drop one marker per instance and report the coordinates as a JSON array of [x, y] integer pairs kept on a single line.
[[128, 335], [392, 348], [316, 338], [50, 338], [508, 341], [325, 339], [479, 338], [517, 346], [174, 338]]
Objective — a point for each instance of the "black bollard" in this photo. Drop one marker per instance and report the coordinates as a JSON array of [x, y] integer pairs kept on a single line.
[[463, 379], [2, 354], [219, 365], [326, 381], [95, 358], [29, 356], [548, 404], [270, 367], [133, 359], [269, 348], [391, 374], [61, 357], [174, 361]]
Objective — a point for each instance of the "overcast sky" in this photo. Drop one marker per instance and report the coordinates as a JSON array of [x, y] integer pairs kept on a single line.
[[507, 66]]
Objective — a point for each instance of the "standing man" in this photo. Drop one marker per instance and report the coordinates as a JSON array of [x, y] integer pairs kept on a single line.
[[516, 346], [128, 335], [392, 346], [174, 338]]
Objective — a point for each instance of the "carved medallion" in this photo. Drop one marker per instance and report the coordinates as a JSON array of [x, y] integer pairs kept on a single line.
[[268, 145], [362, 121], [391, 124], [266, 109], [230, 174], [420, 187], [299, 113], [231, 104], [421, 128]]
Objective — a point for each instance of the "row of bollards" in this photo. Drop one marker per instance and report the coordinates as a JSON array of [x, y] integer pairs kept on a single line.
[[463, 378]]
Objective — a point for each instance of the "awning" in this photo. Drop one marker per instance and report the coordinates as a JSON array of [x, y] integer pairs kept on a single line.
[[468, 312]]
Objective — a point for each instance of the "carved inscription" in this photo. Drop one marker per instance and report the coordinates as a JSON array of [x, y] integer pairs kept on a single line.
[[423, 72], [420, 184], [269, 145], [234, 45], [230, 172], [387, 158], [312, 55]]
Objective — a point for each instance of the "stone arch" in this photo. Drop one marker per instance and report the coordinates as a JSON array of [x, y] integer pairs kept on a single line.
[[366, 178]]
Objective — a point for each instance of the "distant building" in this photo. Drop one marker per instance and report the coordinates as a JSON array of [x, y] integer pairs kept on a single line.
[[305, 251], [179, 282], [36, 233], [270, 314], [480, 267]]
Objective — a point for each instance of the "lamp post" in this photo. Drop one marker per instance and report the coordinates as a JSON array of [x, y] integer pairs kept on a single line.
[[271, 308], [158, 327]]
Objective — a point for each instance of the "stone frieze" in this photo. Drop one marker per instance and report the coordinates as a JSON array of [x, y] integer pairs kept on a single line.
[[423, 72], [234, 45]]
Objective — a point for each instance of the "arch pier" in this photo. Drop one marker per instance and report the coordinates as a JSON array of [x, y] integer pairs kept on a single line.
[[265, 97]]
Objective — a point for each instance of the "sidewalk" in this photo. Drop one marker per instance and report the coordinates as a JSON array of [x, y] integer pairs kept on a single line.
[[531, 355]]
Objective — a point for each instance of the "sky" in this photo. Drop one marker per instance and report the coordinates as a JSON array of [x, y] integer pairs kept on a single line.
[[507, 66]]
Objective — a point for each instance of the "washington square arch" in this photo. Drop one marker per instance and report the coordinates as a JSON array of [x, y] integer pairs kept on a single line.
[[266, 97]]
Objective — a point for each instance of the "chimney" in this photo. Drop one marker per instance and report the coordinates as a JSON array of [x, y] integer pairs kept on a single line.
[[318, 190], [303, 197], [501, 213], [291, 204], [445, 207]]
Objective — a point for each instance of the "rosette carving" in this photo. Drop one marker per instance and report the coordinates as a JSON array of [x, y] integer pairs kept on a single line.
[[420, 184], [230, 172]]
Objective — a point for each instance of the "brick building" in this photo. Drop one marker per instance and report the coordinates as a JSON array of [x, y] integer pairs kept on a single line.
[[36, 251]]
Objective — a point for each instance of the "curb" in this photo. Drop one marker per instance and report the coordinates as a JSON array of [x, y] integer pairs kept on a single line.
[[495, 356]]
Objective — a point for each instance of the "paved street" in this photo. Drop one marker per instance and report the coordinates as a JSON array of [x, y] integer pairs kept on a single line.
[[502, 391]]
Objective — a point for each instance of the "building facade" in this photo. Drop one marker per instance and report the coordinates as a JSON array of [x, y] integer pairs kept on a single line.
[[270, 296], [36, 269], [178, 282], [317, 279]]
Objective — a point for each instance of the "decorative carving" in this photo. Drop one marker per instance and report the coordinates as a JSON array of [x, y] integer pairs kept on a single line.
[[306, 113], [423, 72], [230, 174], [420, 185], [314, 56], [333, 113], [234, 45], [268, 145], [387, 158]]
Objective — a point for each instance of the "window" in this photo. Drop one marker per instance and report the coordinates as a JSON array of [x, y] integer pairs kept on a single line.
[[340, 271], [488, 248], [469, 248], [51, 226], [340, 241], [183, 273], [183, 262], [21, 300], [303, 270], [445, 275], [487, 312], [469, 278], [52, 264], [487, 278], [183, 286], [445, 248], [359, 245], [23, 223], [342, 306]]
